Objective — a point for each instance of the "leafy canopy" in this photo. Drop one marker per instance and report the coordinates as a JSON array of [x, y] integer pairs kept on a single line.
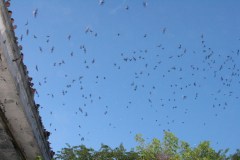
[[171, 148]]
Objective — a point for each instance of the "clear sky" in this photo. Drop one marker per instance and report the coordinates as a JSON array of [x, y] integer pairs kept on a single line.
[[107, 72]]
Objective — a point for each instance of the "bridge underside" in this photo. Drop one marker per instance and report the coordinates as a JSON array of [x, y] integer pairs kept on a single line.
[[22, 135], [8, 149]]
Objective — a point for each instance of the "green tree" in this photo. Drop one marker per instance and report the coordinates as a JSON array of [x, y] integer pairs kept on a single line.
[[171, 148], [75, 153], [104, 153], [236, 156], [148, 151]]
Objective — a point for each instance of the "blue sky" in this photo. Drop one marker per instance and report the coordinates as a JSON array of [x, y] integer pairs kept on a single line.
[[172, 65]]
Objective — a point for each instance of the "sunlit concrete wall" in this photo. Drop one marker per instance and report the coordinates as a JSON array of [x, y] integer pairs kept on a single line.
[[20, 122]]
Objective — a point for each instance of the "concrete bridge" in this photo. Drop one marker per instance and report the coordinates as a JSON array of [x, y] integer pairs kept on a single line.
[[22, 135]]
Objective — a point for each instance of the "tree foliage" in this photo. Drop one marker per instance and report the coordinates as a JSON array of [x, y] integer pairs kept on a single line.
[[104, 153], [171, 148]]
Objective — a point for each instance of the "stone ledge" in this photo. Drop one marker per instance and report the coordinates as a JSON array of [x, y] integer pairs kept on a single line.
[[17, 101]]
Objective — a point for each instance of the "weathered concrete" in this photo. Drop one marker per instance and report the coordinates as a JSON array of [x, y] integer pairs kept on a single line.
[[21, 132], [8, 150]]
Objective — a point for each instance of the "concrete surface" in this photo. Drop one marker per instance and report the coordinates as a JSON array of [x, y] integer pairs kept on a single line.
[[22, 135]]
